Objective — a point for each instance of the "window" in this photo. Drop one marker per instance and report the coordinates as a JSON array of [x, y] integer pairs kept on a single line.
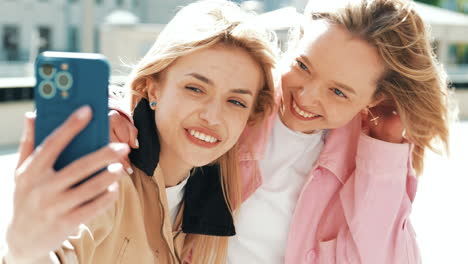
[[10, 41], [119, 2], [458, 54], [44, 38], [97, 41], [73, 39]]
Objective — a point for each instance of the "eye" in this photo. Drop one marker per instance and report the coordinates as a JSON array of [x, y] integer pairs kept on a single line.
[[194, 89], [339, 92], [237, 103], [302, 65]]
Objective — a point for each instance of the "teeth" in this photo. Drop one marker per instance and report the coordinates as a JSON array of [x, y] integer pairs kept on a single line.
[[202, 136], [301, 112]]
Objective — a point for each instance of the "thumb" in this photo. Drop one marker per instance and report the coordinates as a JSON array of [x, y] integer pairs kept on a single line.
[[27, 140]]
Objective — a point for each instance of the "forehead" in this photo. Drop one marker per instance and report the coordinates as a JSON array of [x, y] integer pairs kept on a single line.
[[229, 67], [339, 56]]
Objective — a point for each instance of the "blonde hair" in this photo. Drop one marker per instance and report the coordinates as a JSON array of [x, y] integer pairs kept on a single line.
[[413, 80], [203, 25]]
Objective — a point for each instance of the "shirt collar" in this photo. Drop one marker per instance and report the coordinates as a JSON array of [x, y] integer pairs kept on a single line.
[[339, 152], [205, 211]]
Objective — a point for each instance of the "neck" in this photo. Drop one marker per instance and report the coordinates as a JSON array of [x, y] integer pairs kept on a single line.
[[174, 169]]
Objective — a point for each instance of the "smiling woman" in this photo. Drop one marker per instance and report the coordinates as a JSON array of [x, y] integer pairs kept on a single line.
[[332, 77], [204, 102]]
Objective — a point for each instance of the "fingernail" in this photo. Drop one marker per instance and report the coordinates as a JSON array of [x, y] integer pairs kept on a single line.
[[394, 112], [113, 187], [119, 147], [115, 167], [83, 112], [137, 144], [129, 170], [30, 115]]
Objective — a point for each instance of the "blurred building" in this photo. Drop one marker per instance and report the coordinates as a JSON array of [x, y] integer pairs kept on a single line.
[[31, 26]]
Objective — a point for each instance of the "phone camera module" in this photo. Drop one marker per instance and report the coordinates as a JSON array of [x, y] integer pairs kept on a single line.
[[46, 71], [47, 89], [64, 80]]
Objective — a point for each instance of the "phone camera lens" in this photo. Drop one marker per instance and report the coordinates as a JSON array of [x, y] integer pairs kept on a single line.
[[64, 80], [46, 71], [47, 89]]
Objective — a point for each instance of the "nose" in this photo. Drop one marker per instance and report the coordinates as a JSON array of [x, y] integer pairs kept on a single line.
[[310, 94], [212, 113]]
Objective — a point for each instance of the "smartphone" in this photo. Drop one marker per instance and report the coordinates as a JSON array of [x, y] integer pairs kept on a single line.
[[66, 81]]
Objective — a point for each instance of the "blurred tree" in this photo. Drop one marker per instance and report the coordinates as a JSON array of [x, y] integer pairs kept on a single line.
[[430, 2]]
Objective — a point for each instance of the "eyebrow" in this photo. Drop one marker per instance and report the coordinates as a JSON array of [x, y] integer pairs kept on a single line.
[[200, 78], [210, 82], [340, 85], [241, 91]]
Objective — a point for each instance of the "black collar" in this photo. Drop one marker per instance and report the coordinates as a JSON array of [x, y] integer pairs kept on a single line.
[[206, 211]]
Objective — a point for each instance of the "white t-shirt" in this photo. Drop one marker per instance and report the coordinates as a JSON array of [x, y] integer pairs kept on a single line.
[[263, 221], [175, 195]]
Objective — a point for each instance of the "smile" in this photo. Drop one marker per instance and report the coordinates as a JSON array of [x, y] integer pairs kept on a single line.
[[202, 137], [302, 114]]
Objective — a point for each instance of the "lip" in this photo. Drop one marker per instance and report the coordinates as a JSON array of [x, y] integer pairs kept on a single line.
[[294, 113], [200, 142]]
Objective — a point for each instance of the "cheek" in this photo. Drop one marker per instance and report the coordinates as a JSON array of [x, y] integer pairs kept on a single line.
[[339, 116], [289, 79], [235, 125]]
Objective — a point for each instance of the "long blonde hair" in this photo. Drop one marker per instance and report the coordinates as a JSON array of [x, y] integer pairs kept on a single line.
[[413, 79], [199, 26]]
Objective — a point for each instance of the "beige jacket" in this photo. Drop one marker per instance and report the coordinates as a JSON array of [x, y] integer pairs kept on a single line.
[[137, 229]]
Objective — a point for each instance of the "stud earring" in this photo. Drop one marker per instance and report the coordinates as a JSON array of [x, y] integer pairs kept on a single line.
[[153, 105], [374, 119]]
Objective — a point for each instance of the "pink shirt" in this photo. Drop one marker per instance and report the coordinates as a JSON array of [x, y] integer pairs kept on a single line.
[[355, 204]]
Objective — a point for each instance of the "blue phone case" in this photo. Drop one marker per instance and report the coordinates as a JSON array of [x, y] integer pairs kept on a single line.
[[64, 82]]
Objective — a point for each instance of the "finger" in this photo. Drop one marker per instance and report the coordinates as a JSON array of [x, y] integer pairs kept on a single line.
[[89, 164], [124, 130], [27, 140], [94, 208], [133, 137], [91, 188], [126, 164], [54, 144], [118, 128], [113, 138]]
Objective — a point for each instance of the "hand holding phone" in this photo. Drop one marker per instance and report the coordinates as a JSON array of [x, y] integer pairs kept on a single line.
[[46, 209]]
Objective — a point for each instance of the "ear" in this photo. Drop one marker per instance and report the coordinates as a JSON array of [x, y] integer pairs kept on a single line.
[[152, 89]]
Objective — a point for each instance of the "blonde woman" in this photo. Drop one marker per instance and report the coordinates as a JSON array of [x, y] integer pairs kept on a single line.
[[331, 176], [207, 76]]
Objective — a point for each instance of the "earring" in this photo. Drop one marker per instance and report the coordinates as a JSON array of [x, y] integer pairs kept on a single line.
[[153, 105], [375, 119]]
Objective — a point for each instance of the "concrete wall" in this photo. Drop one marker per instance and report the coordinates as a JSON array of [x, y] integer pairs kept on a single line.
[[12, 118], [461, 96]]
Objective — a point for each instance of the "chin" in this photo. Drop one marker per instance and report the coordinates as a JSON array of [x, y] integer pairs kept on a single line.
[[200, 161]]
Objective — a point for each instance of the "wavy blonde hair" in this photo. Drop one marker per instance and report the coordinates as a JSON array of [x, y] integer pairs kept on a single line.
[[204, 25], [413, 78]]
